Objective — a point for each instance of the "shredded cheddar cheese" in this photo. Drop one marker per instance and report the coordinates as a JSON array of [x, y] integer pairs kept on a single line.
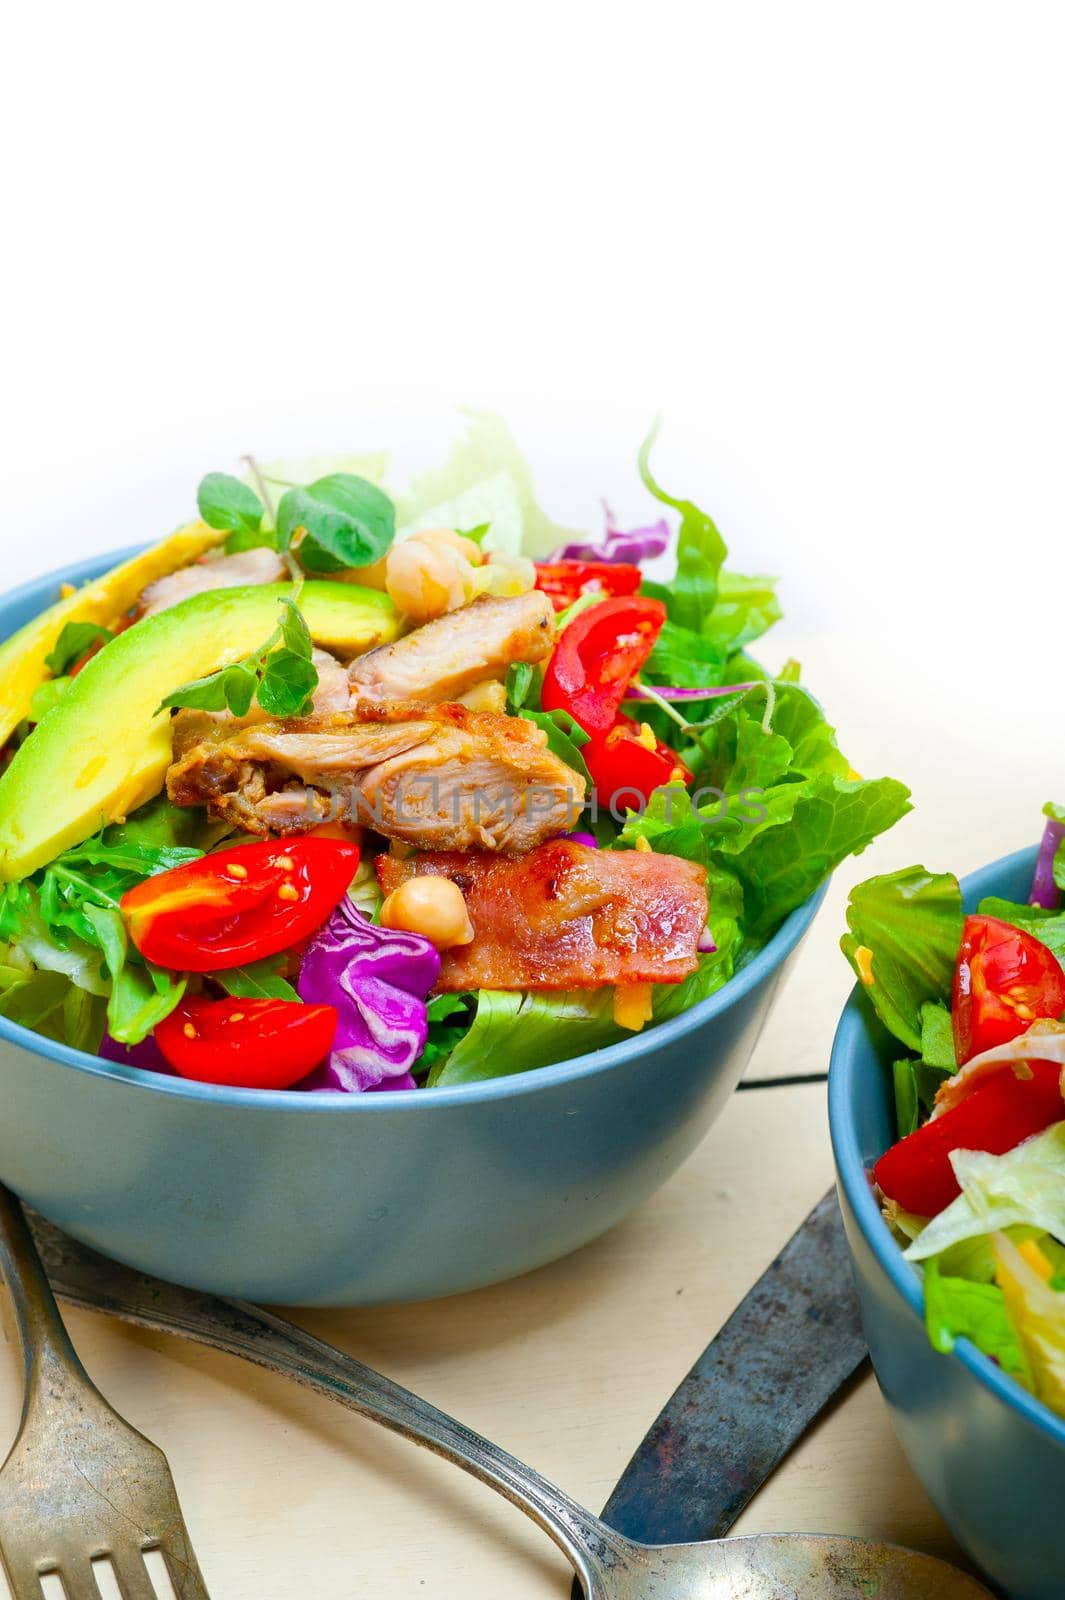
[[1036, 1259], [863, 958], [632, 1005]]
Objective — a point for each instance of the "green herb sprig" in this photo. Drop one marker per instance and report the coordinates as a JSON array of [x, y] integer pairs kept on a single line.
[[280, 675], [335, 523]]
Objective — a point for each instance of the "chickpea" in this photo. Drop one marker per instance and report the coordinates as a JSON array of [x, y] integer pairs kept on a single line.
[[423, 580], [430, 906], [448, 539]]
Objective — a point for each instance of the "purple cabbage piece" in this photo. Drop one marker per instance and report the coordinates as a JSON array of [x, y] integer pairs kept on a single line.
[[146, 1055], [1045, 891], [378, 979], [580, 837], [633, 545]]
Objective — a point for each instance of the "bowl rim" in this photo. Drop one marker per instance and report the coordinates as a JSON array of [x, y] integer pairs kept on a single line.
[[750, 975], [844, 1091]]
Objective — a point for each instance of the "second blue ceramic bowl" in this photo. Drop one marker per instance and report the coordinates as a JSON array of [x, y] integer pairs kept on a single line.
[[326, 1199], [990, 1456]]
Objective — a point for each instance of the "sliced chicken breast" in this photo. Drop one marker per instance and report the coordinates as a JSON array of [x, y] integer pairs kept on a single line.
[[439, 777], [248, 567], [443, 659]]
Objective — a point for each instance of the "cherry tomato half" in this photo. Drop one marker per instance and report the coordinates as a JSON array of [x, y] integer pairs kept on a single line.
[[998, 1115], [239, 905], [1004, 981], [624, 767], [246, 1044], [565, 581], [596, 657]]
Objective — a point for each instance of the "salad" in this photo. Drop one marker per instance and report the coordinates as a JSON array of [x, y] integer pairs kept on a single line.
[[975, 1187], [351, 788]]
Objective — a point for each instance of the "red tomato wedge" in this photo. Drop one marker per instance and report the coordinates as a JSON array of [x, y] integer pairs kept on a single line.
[[565, 581], [626, 770], [1004, 981], [596, 657], [999, 1114], [246, 1044], [239, 905]]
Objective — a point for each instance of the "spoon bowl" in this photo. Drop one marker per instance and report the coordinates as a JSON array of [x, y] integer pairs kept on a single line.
[[778, 1566]]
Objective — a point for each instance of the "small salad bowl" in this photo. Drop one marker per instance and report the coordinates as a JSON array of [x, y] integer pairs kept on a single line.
[[334, 1199], [991, 1457]]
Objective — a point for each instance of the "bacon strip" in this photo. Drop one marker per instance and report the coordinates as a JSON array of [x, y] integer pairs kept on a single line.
[[566, 917]]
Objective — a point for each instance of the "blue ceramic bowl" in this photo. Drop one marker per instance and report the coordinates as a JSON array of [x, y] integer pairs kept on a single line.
[[332, 1199], [991, 1458]]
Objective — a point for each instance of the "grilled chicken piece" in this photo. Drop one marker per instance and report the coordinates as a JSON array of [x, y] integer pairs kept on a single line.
[[440, 777], [332, 693], [443, 659], [249, 567], [566, 917]]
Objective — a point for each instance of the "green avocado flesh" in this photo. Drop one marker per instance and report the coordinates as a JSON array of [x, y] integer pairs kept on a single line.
[[104, 748]]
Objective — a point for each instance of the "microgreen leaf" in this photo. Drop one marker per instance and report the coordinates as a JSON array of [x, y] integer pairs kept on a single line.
[[280, 674], [75, 639], [294, 630], [226, 502], [287, 684], [342, 521]]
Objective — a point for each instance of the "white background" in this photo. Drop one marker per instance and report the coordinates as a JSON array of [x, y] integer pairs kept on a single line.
[[824, 239]]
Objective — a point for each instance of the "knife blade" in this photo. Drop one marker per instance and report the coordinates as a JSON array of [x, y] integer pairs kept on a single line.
[[784, 1353]]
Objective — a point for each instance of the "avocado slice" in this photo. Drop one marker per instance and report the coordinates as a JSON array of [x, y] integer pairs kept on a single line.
[[104, 748], [104, 600]]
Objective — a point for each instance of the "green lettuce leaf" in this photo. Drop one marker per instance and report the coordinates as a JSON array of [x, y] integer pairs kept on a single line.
[[937, 1037], [141, 995], [910, 922], [514, 1032], [486, 479], [807, 830], [782, 812], [957, 1308], [701, 552]]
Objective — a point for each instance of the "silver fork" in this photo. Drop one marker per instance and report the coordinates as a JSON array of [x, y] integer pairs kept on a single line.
[[79, 1483]]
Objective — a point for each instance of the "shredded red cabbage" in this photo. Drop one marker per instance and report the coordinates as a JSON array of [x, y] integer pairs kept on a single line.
[[617, 544], [706, 945], [578, 837], [1045, 891], [146, 1055], [673, 692], [378, 979]]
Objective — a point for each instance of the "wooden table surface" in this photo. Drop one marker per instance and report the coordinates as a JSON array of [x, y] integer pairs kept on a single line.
[[288, 1496]]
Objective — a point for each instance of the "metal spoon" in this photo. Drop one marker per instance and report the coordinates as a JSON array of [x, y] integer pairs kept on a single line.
[[777, 1566]]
